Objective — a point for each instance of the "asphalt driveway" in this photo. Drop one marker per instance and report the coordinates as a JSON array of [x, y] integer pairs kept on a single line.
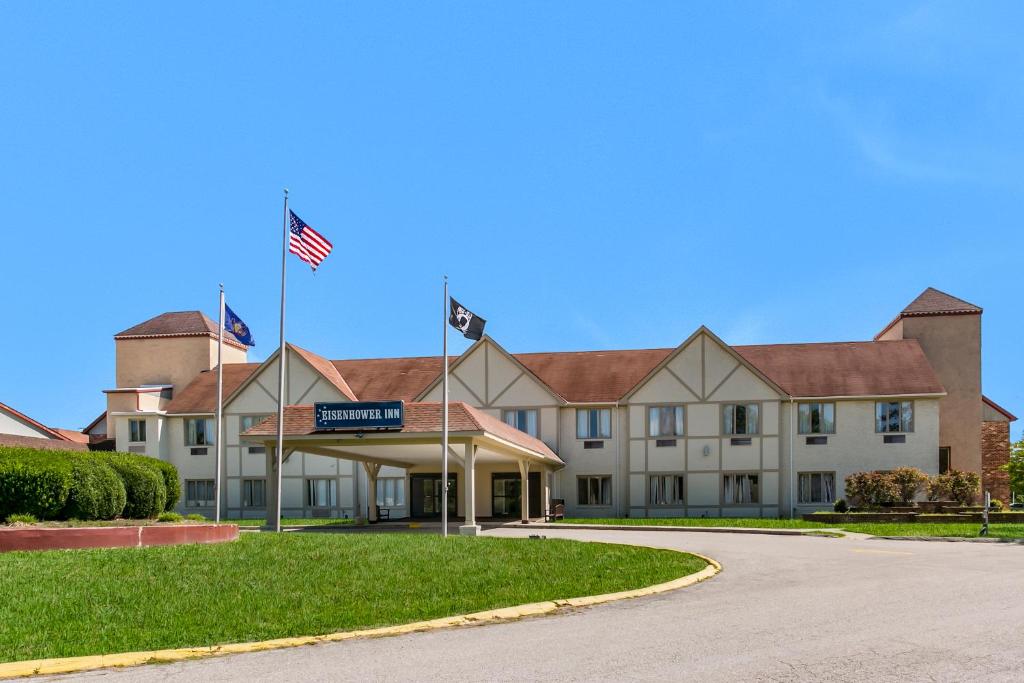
[[783, 609]]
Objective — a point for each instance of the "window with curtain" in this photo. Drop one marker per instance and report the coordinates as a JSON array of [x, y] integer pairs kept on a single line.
[[894, 416], [525, 420], [594, 490], [199, 493], [199, 432], [816, 487], [249, 421], [593, 423], [816, 418], [741, 418], [666, 489], [254, 493], [738, 489], [137, 431], [321, 493], [666, 421], [391, 491]]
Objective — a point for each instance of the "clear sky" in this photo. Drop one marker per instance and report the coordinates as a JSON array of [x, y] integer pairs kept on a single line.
[[589, 175]]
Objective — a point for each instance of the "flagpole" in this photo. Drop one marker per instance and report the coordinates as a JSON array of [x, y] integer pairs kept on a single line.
[[276, 524], [220, 406], [444, 411]]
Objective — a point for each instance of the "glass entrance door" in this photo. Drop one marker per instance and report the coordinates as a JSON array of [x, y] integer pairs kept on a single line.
[[506, 495], [427, 495]]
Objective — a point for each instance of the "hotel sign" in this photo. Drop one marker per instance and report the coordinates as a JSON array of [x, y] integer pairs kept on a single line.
[[359, 416]]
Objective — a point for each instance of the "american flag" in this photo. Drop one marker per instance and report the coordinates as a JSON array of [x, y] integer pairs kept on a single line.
[[307, 243]]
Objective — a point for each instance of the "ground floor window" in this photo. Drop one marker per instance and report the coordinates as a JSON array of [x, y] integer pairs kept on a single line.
[[738, 489], [199, 493], [391, 491], [594, 490], [817, 487], [321, 493], [254, 493], [666, 489]]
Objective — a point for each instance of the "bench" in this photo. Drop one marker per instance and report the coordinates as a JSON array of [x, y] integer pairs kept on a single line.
[[383, 513], [556, 511]]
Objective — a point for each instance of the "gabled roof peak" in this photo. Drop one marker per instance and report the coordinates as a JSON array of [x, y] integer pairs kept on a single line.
[[934, 302], [177, 324]]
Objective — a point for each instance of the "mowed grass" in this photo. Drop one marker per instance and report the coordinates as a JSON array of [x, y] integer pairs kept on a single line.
[[736, 522], [292, 521], [82, 602], [964, 530]]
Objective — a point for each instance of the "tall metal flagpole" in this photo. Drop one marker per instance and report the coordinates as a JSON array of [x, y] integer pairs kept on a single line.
[[444, 411], [276, 525], [220, 405]]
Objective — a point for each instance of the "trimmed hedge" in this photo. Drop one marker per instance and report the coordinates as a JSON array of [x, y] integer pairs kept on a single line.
[[53, 485], [143, 484]]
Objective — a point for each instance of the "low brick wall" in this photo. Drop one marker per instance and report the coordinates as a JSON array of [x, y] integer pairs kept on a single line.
[[69, 538]]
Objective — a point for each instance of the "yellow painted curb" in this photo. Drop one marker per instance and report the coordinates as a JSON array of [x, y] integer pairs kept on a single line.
[[63, 665]]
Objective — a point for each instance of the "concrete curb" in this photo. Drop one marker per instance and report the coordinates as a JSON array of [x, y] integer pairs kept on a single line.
[[696, 529], [66, 665], [953, 539]]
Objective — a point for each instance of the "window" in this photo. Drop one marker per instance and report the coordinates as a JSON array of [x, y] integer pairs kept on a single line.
[[137, 431], [894, 416], [943, 459], [199, 432], [816, 418], [738, 489], [249, 421], [740, 418], [254, 493], [391, 491], [321, 493], [816, 487], [666, 489], [593, 423], [199, 493], [665, 421], [594, 490], [523, 420]]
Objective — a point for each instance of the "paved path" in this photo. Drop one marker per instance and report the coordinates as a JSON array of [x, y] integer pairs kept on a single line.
[[783, 609]]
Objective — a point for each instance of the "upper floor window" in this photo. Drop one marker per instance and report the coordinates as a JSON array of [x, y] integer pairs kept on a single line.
[[666, 421], [249, 421], [741, 418], [137, 431], [894, 416], [593, 423], [816, 418], [199, 432], [523, 420]]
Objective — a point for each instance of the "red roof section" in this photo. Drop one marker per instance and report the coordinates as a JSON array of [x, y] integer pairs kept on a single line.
[[200, 396], [327, 369], [38, 425], [878, 368], [592, 376], [995, 406], [178, 324], [933, 302], [42, 443], [379, 379]]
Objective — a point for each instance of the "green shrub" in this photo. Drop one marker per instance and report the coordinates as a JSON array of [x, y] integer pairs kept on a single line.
[[143, 485], [97, 492], [840, 505], [997, 505], [870, 489], [195, 517], [169, 517], [940, 487], [908, 482], [964, 486], [21, 519], [34, 482], [171, 482]]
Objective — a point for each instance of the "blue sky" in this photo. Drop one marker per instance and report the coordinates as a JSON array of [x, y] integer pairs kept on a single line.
[[589, 175]]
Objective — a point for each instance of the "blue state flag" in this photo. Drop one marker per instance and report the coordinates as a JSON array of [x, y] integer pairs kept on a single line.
[[234, 325]]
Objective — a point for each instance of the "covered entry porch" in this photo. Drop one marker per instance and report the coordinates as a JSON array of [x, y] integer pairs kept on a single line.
[[493, 467]]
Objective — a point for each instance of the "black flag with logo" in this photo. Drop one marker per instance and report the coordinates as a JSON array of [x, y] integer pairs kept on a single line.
[[465, 321]]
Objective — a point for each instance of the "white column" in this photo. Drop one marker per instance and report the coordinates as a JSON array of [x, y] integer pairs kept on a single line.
[[469, 527], [524, 472], [545, 483], [372, 470]]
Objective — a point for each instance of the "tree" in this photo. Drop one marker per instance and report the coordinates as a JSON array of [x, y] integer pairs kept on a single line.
[[1015, 467]]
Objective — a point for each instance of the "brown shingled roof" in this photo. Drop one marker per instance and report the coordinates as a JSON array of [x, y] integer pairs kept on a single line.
[[178, 324], [327, 369], [378, 379], [592, 376], [200, 396], [879, 368], [933, 302], [42, 443], [38, 425], [421, 418]]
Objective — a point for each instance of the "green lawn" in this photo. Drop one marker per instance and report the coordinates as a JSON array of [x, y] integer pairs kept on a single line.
[[968, 530], [742, 522], [292, 521], [81, 602]]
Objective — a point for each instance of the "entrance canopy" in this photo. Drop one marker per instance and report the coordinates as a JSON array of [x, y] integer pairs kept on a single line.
[[473, 435]]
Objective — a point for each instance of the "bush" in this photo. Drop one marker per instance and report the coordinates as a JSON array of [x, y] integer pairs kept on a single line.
[[940, 487], [840, 505], [870, 489], [997, 505], [908, 482], [97, 492], [34, 482], [169, 517], [196, 517], [144, 487], [171, 482], [21, 519], [964, 486]]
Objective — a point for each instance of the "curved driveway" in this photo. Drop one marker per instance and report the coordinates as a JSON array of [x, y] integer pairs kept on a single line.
[[783, 609]]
